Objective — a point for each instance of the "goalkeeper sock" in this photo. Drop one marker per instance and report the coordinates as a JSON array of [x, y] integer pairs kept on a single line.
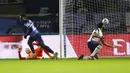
[[96, 50]]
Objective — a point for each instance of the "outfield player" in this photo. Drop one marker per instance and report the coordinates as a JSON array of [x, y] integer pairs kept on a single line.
[[34, 34], [93, 42], [38, 52]]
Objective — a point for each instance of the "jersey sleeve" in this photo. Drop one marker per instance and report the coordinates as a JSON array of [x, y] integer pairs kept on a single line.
[[28, 23]]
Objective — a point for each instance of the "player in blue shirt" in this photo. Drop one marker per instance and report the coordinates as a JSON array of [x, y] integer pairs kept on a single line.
[[34, 34]]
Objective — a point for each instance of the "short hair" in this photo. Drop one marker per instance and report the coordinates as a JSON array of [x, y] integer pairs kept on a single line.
[[23, 15], [100, 25]]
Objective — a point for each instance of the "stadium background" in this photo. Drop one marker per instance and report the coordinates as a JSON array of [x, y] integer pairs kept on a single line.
[[44, 14], [80, 17]]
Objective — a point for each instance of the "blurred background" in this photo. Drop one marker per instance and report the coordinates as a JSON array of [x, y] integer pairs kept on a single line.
[[44, 14], [86, 14]]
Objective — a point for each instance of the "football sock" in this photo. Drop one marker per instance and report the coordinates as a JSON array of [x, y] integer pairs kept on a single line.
[[96, 50]]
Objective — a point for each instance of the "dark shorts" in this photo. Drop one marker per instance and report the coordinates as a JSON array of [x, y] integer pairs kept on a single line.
[[37, 38], [92, 45]]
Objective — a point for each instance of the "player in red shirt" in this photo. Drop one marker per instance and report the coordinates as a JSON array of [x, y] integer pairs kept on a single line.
[[38, 52]]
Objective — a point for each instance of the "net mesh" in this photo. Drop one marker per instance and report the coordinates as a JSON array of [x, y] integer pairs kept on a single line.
[[80, 17]]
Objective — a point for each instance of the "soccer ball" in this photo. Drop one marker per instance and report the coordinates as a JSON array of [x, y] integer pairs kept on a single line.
[[105, 21]]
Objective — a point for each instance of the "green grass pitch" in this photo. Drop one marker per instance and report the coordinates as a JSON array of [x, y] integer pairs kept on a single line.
[[109, 65]]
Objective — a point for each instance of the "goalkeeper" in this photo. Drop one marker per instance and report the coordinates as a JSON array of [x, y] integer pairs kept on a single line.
[[38, 52], [93, 42]]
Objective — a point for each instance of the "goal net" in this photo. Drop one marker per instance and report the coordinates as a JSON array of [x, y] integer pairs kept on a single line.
[[80, 17]]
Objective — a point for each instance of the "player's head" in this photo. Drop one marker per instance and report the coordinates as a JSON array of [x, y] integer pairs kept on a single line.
[[27, 50], [101, 26], [23, 17]]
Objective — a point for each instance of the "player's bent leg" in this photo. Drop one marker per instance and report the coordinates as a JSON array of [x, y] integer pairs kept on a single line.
[[51, 51], [30, 41], [96, 50], [47, 48], [41, 43], [82, 57]]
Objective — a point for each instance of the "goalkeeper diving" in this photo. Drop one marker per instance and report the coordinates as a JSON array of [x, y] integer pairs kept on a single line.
[[38, 52]]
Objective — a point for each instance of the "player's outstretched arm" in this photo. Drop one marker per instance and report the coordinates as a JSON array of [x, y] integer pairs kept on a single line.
[[19, 54], [104, 43]]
